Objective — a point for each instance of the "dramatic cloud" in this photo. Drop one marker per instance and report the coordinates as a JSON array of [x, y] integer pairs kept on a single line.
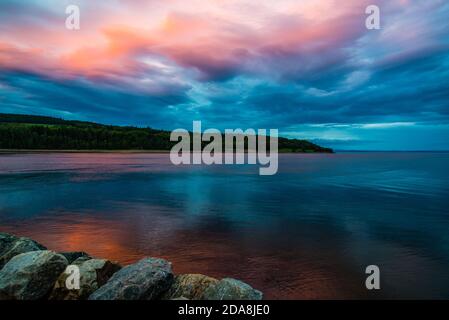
[[309, 68]]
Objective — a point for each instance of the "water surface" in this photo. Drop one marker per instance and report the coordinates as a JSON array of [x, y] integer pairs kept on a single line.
[[307, 232]]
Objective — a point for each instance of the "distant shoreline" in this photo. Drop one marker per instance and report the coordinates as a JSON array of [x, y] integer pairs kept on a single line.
[[28, 133], [79, 151], [3, 151], [9, 151]]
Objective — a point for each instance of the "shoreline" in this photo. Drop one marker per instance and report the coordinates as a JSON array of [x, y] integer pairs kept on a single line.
[[31, 271], [5, 151], [79, 151]]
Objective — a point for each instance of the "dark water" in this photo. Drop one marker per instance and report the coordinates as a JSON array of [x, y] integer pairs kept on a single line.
[[307, 232]]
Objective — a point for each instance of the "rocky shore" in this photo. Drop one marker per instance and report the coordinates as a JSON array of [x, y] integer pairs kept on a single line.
[[28, 271]]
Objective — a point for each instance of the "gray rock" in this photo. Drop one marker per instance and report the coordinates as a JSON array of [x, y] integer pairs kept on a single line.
[[6, 240], [11, 246], [74, 255], [144, 280], [231, 289], [31, 275], [94, 273], [189, 286], [80, 260]]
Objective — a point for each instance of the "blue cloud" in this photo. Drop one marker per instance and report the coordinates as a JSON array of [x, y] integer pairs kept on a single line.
[[348, 95]]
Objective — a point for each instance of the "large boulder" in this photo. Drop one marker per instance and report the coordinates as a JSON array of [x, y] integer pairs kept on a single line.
[[189, 286], [11, 246], [75, 255], [94, 273], [31, 275], [5, 241], [144, 280], [231, 289], [80, 260]]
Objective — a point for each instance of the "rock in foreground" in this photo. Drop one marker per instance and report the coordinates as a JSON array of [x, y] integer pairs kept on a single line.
[[189, 286], [231, 289], [11, 246], [144, 280], [75, 255], [201, 287], [31, 272], [94, 273], [31, 275]]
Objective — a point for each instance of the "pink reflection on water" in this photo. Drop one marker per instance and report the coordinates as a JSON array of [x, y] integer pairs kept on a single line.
[[85, 162], [280, 275]]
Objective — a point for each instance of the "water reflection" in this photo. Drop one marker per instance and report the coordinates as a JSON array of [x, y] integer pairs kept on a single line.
[[307, 232]]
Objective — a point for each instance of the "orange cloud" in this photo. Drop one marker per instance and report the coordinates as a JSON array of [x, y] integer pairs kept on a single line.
[[213, 37]]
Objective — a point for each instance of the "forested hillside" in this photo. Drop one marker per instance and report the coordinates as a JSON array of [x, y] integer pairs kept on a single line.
[[47, 133]]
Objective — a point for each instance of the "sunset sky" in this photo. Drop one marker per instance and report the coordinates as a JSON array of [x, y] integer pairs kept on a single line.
[[307, 67]]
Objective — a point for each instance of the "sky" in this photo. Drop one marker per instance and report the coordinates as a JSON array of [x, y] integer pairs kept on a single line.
[[309, 68]]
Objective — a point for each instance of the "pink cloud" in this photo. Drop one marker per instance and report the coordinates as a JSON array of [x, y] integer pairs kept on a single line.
[[214, 38]]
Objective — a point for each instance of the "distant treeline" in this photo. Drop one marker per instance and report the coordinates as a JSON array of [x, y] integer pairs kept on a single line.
[[47, 133]]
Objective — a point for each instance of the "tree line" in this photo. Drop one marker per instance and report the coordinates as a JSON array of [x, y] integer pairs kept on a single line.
[[46, 133]]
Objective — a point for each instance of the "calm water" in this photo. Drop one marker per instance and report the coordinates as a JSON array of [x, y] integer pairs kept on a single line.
[[307, 232]]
